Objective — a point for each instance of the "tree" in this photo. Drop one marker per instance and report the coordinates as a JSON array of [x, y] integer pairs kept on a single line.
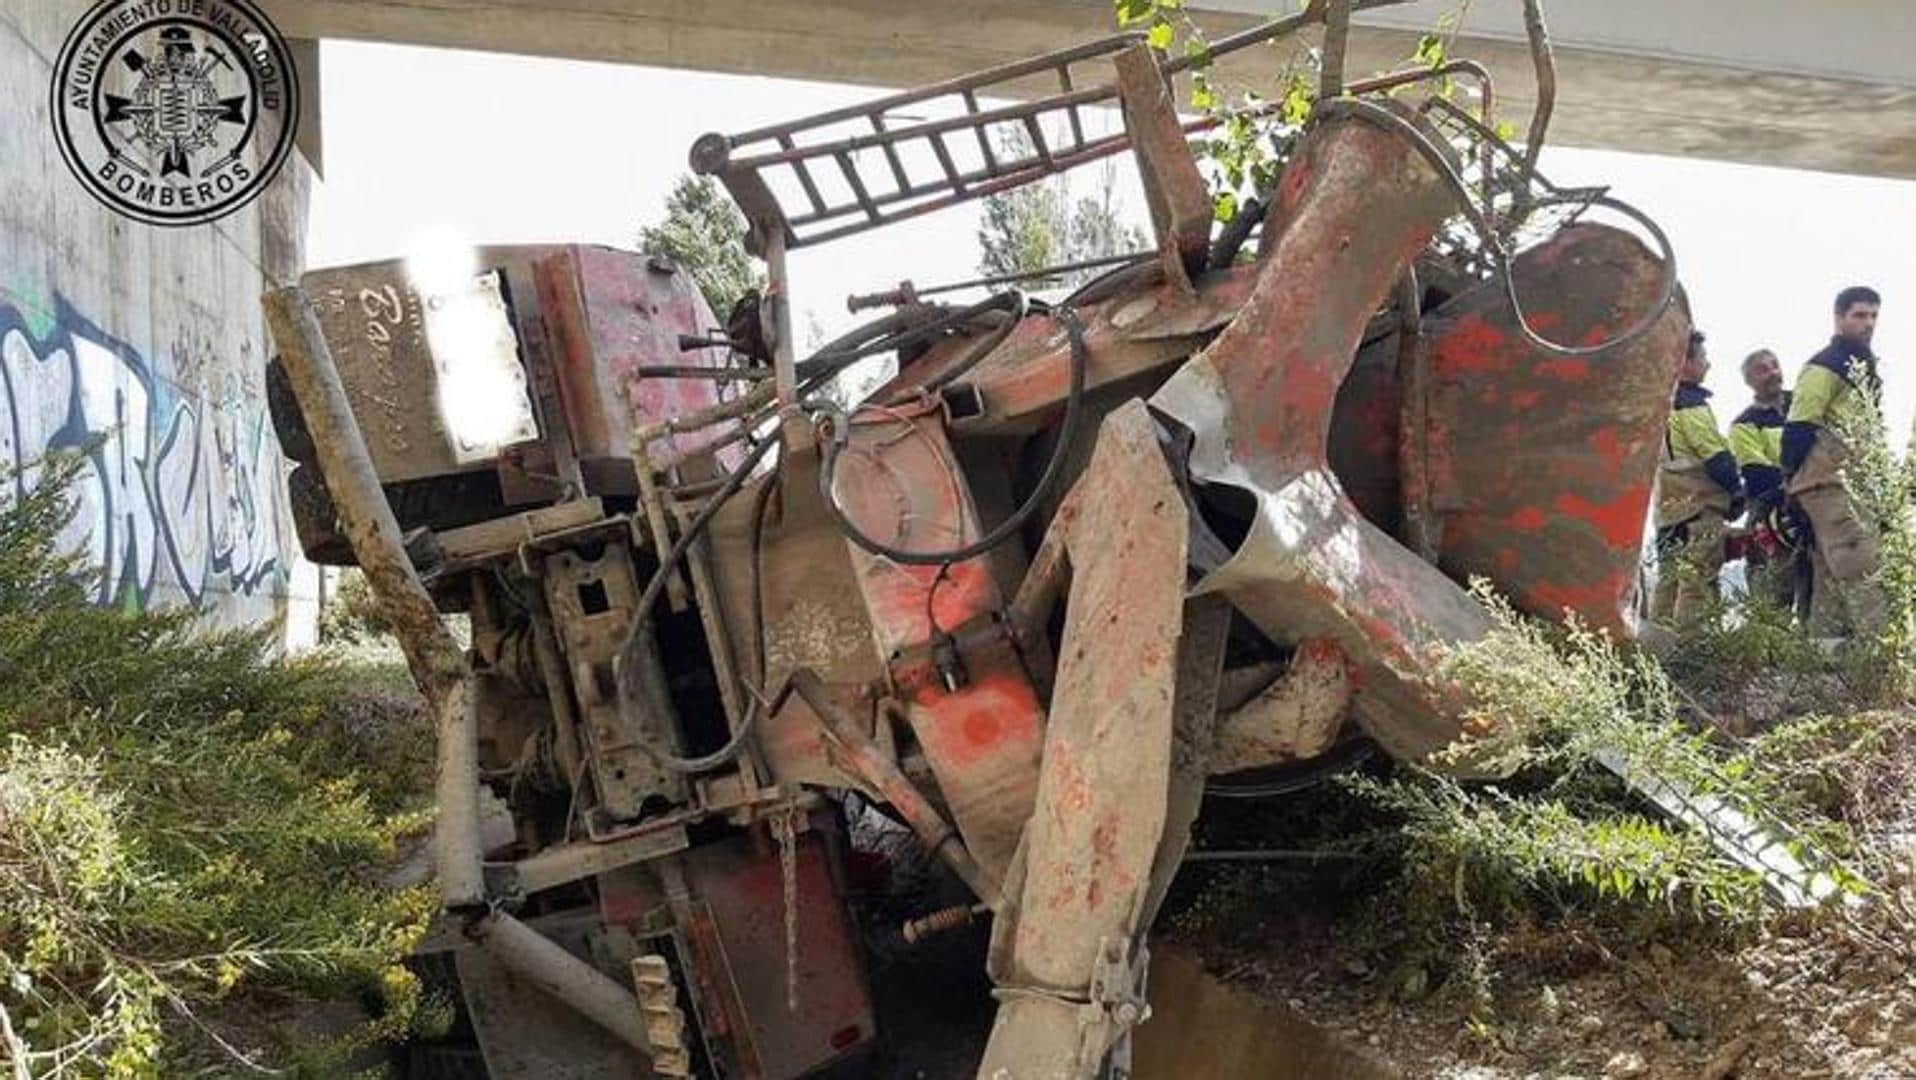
[[704, 233], [1039, 225]]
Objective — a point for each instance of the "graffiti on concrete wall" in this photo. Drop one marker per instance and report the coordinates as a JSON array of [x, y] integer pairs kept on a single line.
[[179, 489]]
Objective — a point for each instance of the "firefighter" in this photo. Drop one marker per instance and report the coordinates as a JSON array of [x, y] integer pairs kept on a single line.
[[1776, 567], [1838, 390], [1698, 493]]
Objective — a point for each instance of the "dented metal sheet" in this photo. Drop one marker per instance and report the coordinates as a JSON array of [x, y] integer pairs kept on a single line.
[[1297, 716], [1354, 206], [1102, 796], [965, 692], [1541, 467]]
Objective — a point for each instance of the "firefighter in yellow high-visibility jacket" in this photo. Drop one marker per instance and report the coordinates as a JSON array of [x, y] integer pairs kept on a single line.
[[1775, 563], [1838, 391], [1698, 493]]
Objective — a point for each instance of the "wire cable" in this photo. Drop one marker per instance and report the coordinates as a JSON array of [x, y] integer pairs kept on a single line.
[[1047, 480], [1493, 244]]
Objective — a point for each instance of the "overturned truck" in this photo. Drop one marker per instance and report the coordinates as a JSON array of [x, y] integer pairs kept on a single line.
[[1203, 524]]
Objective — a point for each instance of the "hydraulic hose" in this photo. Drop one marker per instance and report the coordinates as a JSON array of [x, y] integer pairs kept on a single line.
[[1047, 480]]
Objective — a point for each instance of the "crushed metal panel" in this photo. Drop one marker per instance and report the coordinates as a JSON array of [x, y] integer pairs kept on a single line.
[[1140, 331], [1541, 467], [742, 890], [610, 312], [898, 479], [1355, 206], [1085, 877]]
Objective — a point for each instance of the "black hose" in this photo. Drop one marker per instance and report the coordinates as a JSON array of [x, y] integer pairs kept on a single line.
[[982, 349], [1047, 480], [892, 332], [632, 655]]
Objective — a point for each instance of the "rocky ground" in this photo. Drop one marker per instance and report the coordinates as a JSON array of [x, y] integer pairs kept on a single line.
[[1591, 995], [1576, 1000]]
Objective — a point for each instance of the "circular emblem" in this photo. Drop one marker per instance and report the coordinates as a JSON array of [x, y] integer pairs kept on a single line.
[[174, 112]]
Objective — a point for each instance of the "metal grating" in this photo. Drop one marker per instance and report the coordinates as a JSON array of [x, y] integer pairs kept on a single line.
[[868, 165]]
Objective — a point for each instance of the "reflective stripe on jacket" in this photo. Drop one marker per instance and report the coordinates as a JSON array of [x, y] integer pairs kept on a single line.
[[1838, 390], [1756, 438], [1696, 472]]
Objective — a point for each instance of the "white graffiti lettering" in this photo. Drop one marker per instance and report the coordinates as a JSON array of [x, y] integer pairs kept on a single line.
[[179, 489]]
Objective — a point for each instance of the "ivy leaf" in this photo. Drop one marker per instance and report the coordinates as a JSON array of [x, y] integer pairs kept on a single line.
[[1202, 96], [1134, 11], [1430, 51], [1159, 37], [1297, 102], [1199, 50], [1224, 208]]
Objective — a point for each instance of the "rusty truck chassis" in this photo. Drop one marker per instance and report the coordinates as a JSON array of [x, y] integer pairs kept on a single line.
[[1044, 717]]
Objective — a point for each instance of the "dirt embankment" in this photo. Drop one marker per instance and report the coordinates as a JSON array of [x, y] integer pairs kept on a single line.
[[1603, 993]]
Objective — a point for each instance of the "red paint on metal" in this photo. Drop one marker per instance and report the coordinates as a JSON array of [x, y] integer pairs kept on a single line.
[[1609, 449], [1620, 520], [1468, 346], [609, 313], [1549, 501], [1565, 369], [1602, 595], [1528, 519], [742, 949]]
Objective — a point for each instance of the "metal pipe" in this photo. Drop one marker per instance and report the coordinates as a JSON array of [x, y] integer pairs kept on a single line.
[[540, 961], [563, 864], [907, 293], [693, 371], [1276, 28], [858, 753], [1337, 32], [436, 662], [759, 396], [1545, 63], [558, 684], [778, 285], [652, 505]]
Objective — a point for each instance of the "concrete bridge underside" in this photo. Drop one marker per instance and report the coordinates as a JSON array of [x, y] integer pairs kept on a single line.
[[1776, 82]]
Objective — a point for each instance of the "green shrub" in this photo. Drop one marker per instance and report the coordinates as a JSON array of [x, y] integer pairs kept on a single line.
[[181, 825], [351, 616], [1562, 831]]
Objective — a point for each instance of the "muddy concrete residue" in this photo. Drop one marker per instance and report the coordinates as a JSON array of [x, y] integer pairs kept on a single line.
[[1199, 1026]]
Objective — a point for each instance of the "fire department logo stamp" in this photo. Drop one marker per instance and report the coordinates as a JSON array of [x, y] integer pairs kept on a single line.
[[174, 112]]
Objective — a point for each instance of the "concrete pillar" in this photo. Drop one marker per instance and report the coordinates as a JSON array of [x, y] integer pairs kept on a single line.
[[152, 340]]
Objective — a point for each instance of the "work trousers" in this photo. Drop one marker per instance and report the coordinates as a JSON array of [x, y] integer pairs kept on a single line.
[[1846, 554], [1689, 558]]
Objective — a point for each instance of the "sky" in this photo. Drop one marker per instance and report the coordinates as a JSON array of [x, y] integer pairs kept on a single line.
[[504, 149]]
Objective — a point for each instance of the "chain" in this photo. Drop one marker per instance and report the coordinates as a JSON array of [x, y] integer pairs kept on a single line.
[[784, 830]]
